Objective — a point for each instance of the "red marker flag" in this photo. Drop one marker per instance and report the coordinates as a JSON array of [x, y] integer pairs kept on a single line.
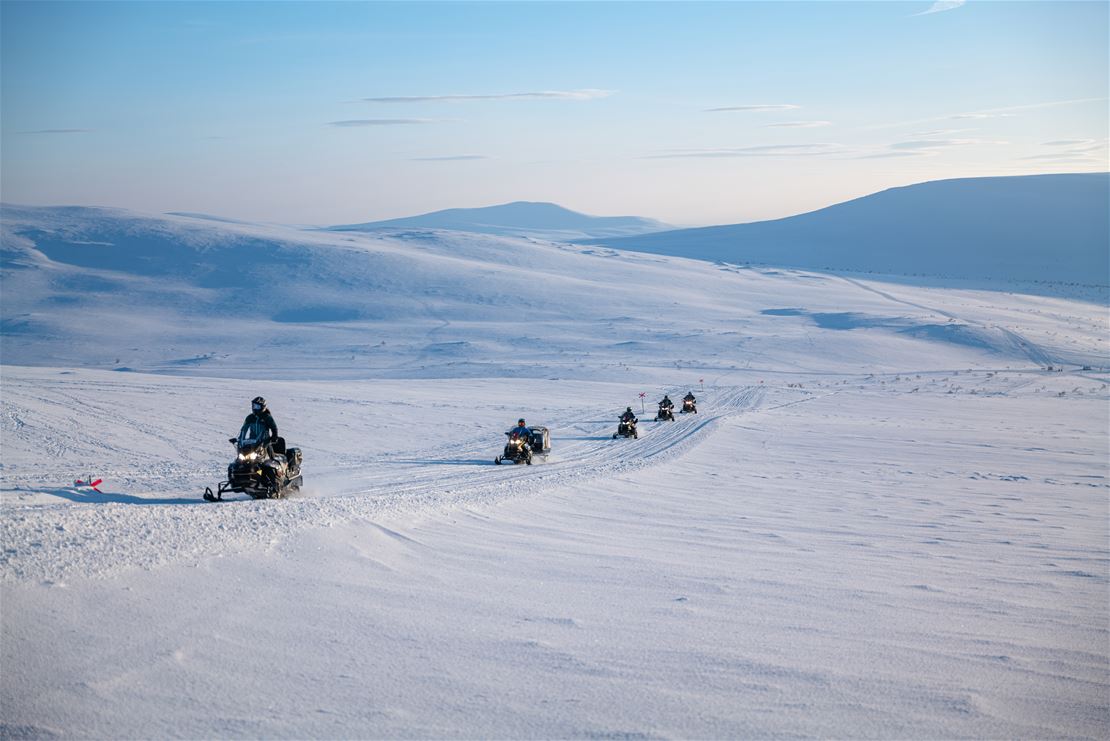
[[90, 483]]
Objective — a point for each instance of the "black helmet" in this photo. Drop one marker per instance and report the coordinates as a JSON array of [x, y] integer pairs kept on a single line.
[[628, 409], [520, 421], [258, 404]]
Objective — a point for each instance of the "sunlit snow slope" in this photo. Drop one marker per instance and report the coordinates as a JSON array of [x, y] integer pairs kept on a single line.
[[887, 520], [113, 289]]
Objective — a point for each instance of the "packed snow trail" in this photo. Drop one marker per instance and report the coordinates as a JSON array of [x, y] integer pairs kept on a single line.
[[54, 542], [580, 449]]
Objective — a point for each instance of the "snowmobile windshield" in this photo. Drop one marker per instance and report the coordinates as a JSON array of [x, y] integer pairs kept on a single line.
[[252, 434]]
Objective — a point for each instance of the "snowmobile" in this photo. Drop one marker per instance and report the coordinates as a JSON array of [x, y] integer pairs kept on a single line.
[[626, 429], [264, 470], [665, 412], [689, 407], [520, 450]]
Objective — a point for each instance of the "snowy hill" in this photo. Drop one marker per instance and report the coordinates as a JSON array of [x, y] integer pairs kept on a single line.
[[521, 218], [109, 288], [1033, 228]]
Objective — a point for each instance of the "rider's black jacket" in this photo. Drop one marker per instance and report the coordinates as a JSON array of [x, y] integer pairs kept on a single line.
[[266, 419]]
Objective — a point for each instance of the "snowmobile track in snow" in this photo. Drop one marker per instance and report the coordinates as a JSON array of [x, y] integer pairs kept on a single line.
[[588, 452], [90, 540]]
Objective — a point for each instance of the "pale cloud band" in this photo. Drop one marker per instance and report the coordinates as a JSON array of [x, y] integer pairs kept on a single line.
[[770, 150], [925, 147], [1074, 151], [798, 125], [993, 112], [587, 94], [380, 122], [756, 107], [938, 143], [451, 158], [942, 5]]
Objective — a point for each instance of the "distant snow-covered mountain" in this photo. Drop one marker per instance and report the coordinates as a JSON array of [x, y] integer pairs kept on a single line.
[[521, 218], [1033, 228]]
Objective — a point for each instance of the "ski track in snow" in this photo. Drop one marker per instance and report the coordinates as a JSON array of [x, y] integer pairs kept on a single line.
[[52, 543]]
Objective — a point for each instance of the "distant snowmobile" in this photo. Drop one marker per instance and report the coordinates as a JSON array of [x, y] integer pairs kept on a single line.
[[258, 473], [666, 412], [689, 406], [521, 448]]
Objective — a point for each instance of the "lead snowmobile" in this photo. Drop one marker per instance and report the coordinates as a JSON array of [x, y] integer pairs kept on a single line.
[[520, 448], [627, 426], [263, 469]]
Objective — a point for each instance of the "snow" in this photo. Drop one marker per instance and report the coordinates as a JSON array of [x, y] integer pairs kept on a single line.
[[992, 232], [888, 520]]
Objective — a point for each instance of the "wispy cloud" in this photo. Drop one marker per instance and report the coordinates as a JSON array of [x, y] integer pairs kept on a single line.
[[1084, 144], [982, 115], [992, 112], [798, 125], [451, 158], [939, 132], [769, 150], [938, 143], [904, 153], [57, 131], [381, 122], [942, 5], [1077, 151], [924, 147], [587, 94], [1063, 157], [756, 107]]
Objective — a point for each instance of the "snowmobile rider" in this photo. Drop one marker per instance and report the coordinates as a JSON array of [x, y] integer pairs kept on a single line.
[[521, 431], [628, 417], [260, 423], [689, 397], [666, 403]]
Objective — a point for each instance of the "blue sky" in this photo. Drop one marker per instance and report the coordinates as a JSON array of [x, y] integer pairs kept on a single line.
[[692, 113]]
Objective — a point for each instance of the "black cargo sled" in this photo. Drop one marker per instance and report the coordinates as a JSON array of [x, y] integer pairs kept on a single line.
[[262, 470], [519, 450]]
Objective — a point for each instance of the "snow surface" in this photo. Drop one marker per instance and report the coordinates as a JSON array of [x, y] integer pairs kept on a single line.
[[888, 520]]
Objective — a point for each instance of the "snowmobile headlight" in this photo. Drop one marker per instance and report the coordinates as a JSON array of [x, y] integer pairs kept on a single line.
[[248, 456]]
